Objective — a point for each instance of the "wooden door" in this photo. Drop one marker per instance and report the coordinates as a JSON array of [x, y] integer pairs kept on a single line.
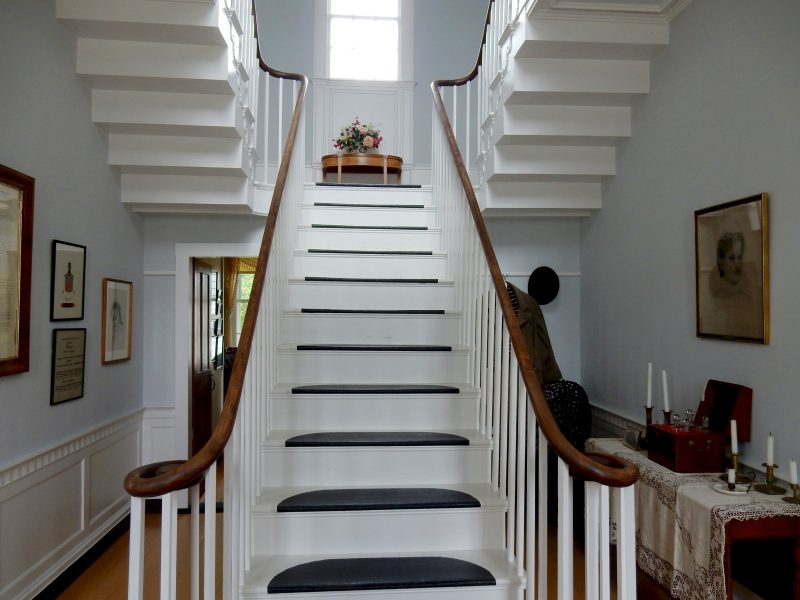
[[202, 373]]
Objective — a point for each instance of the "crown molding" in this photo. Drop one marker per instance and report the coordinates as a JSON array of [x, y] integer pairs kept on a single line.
[[643, 11]]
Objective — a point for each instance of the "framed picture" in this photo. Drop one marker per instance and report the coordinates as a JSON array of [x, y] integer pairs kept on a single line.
[[632, 437], [117, 315], [67, 281], [732, 274], [16, 243], [68, 365]]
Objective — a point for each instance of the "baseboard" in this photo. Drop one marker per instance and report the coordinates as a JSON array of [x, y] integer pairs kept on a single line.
[[606, 423], [56, 505]]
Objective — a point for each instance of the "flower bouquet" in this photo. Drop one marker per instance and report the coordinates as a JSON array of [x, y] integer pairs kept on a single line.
[[358, 137]]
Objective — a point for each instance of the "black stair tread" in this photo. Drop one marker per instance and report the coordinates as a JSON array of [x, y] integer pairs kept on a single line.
[[372, 252], [371, 185], [368, 205], [387, 227], [390, 573], [376, 438], [374, 388], [372, 311], [376, 347], [372, 280], [377, 499]]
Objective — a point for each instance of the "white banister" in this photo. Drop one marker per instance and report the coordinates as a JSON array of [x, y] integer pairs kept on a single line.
[[210, 534], [194, 543], [592, 540], [522, 517], [626, 550], [169, 545], [565, 541]]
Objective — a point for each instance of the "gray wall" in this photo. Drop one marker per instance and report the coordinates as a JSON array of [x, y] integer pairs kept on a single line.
[[521, 246], [722, 122], [47, 132]]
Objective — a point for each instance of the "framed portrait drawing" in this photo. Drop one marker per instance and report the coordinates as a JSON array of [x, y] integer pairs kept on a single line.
[[16, 243], [732, 270], [117, 314], [68, 365], [67, 281]]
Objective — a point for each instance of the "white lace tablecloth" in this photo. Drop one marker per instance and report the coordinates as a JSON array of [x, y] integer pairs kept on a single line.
[[680, 523]]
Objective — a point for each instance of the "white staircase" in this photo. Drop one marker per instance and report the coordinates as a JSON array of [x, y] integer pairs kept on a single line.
[[176, 86], [374, 336]]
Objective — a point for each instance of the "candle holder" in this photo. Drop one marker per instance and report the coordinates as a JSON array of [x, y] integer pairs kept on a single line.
[[648, 413], [740, 477], [667, 417], [769, 487], [795, 497]]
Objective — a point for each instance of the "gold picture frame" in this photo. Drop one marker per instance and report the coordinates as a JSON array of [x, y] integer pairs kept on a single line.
[[16, 245], [732, 270], [117, 320]]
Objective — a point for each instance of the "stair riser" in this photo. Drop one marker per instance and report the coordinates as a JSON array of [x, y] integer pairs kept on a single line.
[[179, 67], [312, 366], [194, 114], [543, 197], [155, 192], [365, 412], [164, 151], [567, 125], [337, 215], [363, 532], [581, 75], [306, 328], [463, 593], [563, 162], [422, 296], [369, 239], [314, 193], [374, 466], [354, 265]]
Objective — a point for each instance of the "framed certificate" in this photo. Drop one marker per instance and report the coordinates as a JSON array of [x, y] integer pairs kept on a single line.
[[68, 365]]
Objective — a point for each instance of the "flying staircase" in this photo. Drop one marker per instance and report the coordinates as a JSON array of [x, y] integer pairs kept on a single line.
[[392, 437]]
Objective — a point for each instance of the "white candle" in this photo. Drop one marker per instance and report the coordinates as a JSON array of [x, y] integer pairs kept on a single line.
[[666, 393], [793, 472], [734, 437], [731, 476], [770, 450], [649, 385]]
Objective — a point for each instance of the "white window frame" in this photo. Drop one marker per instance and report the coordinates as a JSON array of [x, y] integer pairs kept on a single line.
[[405, 67], [238, 321]]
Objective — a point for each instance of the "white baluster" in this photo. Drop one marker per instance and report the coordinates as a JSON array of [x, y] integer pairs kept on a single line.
[[467, 155], [169, 547], [494, 367], [512, 459], [605, 545], [565, 541], [521, 491], [136, 550], [280, 118], [542, 516], [266, 119], [210, 534], [626, 543], [503, 439], [592, 537], [194, 494], [454, 118]]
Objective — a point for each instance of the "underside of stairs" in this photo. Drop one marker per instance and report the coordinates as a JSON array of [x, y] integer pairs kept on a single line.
[[376, 478]]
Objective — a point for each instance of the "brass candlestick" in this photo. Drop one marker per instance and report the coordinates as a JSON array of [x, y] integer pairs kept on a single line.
[[795, 497], [740, 477], [769, 487]]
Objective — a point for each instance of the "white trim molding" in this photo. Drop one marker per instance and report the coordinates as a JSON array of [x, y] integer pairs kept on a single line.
[[649, 11], [56, 504], [606, 423], [387, 104]]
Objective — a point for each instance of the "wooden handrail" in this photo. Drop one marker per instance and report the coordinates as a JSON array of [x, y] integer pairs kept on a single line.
[[161, 478], [616, 472]]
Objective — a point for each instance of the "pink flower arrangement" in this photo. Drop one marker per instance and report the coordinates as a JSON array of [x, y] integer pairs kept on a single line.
[[358, 137]]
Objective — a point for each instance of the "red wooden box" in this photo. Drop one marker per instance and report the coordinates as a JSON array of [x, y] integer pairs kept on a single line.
[[693, 451]]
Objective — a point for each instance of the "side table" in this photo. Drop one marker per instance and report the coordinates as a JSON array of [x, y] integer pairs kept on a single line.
[[361, 163]]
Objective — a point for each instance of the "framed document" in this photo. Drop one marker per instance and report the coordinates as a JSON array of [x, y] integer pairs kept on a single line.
[[67, 282], [117, 313], [732, 270], [68, 365], [16, 242]]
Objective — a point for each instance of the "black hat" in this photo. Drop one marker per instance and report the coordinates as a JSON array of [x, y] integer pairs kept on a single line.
[[543, 285]]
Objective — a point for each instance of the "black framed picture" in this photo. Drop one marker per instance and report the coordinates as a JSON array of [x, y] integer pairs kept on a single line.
[[732, 270], [68, 365], [67, 281]]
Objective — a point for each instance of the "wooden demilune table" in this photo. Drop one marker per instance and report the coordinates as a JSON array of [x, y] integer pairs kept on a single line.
[[685, 529], [361, 163]]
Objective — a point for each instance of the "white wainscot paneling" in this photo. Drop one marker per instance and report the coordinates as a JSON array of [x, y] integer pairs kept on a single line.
[[158, 435], [387, 104], [55, 505]]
